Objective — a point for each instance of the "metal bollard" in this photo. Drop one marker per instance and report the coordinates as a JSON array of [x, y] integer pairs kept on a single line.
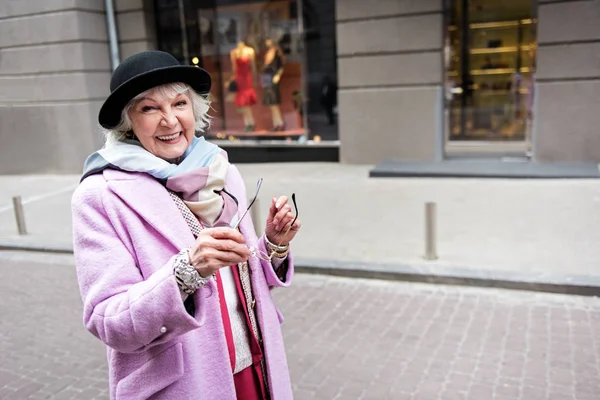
[[255, 215], [430, 230], [19, 215]]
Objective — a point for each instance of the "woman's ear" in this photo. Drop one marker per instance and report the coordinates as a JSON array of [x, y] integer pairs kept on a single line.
[[130, 135]]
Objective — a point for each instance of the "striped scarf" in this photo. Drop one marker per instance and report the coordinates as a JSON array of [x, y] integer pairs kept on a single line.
[[199, 178]]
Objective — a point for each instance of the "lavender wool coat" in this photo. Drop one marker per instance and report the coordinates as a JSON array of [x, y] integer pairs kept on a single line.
[[126, 230]]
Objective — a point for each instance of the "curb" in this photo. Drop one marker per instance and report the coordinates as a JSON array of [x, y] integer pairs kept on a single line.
[[18, 245], [581, 285], [443, 275], [503, 169]]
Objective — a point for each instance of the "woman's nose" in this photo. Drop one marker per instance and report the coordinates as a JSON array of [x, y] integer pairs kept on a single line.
[[169, 119]]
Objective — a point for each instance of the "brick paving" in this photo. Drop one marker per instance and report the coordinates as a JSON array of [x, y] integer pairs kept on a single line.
[[346, 339], [359, 339]]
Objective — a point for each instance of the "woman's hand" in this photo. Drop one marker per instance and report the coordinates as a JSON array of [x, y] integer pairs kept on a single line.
[[216, 248], [278, 221]]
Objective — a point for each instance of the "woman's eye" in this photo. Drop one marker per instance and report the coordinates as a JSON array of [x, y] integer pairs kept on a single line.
[[181, 103], [146, 109]]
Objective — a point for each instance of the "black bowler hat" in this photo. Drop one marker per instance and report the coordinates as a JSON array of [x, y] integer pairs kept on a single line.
[[144, 71]]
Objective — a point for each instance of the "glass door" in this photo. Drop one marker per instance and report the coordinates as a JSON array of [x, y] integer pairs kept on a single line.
[[490, 64]]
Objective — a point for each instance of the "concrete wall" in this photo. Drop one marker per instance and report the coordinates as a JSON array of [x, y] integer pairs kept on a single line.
[[568, 81], [390, 76], [54, 75], [135, 25], [54, 71]]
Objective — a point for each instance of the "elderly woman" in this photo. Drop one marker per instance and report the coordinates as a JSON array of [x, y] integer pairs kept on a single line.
[[173, 278]]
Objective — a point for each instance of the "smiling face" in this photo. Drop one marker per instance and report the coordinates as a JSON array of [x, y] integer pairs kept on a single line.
[[163, 122]]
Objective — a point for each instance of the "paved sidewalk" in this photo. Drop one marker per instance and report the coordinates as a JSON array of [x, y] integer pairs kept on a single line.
[[345, 339], [532, 229]]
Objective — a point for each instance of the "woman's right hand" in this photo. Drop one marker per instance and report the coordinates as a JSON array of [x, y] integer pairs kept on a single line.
[[216, 248]]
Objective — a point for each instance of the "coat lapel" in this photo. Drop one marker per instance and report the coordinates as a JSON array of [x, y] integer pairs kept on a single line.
[[151, 201]]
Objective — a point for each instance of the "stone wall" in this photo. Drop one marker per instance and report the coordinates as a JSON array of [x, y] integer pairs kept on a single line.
[[567, 120], [390, 79]]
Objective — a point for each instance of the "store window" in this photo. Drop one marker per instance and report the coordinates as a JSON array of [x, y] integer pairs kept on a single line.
[[490, 64], [273, 64]]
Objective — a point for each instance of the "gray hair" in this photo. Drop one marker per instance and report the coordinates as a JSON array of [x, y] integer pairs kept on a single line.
[[200, 105]]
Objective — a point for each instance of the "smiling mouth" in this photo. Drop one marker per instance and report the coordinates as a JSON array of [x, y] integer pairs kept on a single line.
[[170, 137]]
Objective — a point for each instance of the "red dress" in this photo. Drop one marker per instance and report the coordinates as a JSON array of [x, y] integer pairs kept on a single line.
[[245, 95]]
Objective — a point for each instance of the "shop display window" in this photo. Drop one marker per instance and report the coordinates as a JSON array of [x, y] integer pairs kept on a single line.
[[264, 84], [490, 65]]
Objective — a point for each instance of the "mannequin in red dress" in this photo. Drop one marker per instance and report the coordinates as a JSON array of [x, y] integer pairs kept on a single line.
[[244, 71]]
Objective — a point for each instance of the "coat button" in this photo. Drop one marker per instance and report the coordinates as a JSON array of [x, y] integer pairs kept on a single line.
[[163, 329], [252, 303]]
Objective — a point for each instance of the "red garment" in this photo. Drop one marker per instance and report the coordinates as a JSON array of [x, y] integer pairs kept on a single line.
[[226, 324], [249, 383], [247, 386], [255, 348], [245, 95]]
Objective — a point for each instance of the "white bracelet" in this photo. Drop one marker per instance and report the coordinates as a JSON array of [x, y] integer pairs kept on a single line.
[[274, 247]]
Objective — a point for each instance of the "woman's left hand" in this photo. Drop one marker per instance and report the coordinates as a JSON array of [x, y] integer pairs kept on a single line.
[[278, 221]]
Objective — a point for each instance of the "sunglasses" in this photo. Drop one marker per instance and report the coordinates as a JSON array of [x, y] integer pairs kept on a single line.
[[255, 252]]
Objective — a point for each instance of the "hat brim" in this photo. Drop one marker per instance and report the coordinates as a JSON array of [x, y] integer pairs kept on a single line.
[[110, 112]]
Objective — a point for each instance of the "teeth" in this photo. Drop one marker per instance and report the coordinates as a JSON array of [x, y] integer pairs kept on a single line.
[[174, 136]]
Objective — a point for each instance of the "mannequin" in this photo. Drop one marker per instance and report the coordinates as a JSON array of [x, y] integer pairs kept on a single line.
[[531, 82], [253, 34], [271, 75], [243, 64], [515, 91]]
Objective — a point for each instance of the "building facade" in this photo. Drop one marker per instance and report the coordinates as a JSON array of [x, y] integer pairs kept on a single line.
[[348, 80]]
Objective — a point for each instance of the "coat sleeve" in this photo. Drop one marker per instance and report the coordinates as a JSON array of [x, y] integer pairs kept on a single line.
[[125, 311], [271, 275], [280, 276]]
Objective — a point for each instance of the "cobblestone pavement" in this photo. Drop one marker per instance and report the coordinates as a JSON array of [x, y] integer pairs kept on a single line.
[[346, 339]]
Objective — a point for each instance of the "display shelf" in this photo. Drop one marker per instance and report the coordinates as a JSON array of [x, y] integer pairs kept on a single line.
[[497, 24], [494, 71], [483, 92], [497, 50]]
